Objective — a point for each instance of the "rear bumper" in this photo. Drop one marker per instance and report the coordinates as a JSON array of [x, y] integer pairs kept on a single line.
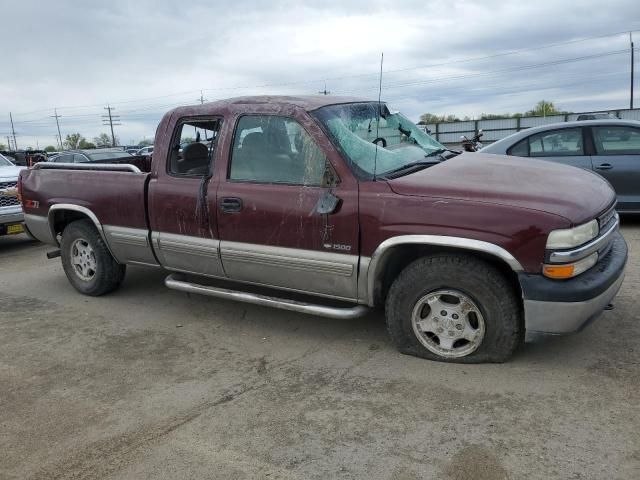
[[555, 307]]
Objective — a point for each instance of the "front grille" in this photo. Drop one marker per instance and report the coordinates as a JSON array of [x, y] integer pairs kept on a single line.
[[8, 201], [606, 218]]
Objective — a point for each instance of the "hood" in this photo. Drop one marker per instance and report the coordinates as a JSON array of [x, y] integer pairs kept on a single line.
[[573, 193], [9, 174]]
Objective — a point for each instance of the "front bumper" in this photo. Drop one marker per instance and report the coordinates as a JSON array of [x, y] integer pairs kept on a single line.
[[556, 307], [10, 216]]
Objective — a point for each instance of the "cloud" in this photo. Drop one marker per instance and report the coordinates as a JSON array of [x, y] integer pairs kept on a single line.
[[145, 57]]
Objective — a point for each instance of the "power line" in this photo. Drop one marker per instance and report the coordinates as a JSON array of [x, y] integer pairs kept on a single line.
[[343, 77]]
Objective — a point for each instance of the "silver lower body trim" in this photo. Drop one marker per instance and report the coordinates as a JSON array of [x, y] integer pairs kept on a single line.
[[559, 318], [178, 282], [39, 227], [129, 245]]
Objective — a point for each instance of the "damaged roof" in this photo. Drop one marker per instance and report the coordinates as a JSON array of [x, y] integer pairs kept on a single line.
[[307, 102]]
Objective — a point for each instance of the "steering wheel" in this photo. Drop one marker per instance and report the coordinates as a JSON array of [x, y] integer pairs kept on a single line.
[[381, 140]]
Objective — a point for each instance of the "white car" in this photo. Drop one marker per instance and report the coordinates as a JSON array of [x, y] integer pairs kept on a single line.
[[11, 216], [145, 151]]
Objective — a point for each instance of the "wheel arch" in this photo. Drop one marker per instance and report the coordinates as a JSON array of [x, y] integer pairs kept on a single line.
[[62, 214], [395, 253]]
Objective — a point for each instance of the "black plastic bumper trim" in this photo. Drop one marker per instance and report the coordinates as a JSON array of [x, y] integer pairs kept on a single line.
[[588, 285]]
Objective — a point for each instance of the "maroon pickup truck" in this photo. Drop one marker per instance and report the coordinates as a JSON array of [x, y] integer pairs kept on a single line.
[[331, 206]]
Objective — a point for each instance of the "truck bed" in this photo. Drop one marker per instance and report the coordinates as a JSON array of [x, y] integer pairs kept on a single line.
[[115, 193]]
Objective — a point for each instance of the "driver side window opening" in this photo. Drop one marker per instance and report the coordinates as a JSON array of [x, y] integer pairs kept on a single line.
[[194, 143], [275, 149]]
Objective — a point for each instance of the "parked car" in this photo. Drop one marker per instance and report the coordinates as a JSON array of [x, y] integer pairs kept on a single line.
[[596, 116], [145, 150], [92, 155], [131, 151], [355, 207], [11, 217], [610, 148]]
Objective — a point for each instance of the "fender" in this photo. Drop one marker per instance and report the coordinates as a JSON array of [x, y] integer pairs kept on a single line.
[[378, 258]]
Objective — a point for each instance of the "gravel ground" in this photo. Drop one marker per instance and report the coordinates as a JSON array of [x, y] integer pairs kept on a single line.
[[149, 383]]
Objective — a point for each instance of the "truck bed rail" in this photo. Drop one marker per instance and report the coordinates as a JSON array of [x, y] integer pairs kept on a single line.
[[110, 167]]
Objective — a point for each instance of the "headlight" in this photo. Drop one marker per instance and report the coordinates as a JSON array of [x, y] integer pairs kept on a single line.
[[572, 237]]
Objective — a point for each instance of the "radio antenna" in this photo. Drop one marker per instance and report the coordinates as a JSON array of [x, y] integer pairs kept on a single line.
[[375, 157]]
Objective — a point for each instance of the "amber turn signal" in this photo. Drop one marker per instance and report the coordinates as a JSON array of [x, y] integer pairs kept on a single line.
[[558, 271]]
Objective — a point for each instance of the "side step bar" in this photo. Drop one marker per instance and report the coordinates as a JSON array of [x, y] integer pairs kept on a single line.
[[177, 281]]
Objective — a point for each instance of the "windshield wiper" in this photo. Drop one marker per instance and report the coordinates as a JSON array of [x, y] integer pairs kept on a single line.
[[438, 151], [397, 172]]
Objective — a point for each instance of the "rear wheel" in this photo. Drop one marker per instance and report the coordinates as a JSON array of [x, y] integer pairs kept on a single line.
[[87, 262], [454, 308]]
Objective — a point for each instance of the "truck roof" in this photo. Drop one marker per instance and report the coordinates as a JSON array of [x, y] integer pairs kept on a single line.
[[308, 102]]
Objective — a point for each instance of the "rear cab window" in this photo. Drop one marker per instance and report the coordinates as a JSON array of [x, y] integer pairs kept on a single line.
[[193, 146]]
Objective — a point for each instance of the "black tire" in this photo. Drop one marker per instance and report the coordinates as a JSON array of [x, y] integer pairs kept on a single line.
[[473, 278], [108, 273]]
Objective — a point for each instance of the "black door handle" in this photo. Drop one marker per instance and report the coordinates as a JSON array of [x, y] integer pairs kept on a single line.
[[230, 204], [604, 166]]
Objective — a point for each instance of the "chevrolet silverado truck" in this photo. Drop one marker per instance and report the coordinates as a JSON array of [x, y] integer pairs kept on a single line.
[[11, 218], [332, 206]]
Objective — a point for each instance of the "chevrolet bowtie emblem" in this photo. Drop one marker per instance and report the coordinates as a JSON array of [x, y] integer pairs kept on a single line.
[[9, 192]]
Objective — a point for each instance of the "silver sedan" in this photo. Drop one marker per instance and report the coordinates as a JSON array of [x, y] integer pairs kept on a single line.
[[610, 148]]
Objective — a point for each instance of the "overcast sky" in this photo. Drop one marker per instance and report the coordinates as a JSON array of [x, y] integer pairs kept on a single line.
[[144, 57]]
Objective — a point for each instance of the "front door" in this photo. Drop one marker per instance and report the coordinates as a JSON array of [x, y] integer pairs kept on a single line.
[[285, 219], [617, 158], [564, 145], [183, 229]]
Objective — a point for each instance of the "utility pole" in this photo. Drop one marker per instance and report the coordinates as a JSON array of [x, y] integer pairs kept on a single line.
[[632, 62], [56, 116], [9, 142], [202, 99], [15, 144], [325, 91], [111, 120]]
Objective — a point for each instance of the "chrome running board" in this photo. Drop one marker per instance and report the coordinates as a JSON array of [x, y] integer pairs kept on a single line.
[[177, 281]]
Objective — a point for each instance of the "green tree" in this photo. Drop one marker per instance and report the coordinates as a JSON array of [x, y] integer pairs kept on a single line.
[[145, 142], [50, 148], [427, 118], [3, 147], [102, 140], [544, 108], [73, 141], [86, 145]]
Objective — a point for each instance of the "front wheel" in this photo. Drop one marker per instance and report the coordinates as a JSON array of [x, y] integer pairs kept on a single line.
[[87, 262], [454, 308]]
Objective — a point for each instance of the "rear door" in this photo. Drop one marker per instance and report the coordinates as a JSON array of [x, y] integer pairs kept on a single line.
[[617, 158], [183, 232], [286, 217]]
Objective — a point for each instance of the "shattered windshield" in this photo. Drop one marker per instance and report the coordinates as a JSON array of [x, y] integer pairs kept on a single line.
[[360, 131]]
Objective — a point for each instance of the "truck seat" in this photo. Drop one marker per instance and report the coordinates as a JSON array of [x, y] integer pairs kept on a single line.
[[195, 159]]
